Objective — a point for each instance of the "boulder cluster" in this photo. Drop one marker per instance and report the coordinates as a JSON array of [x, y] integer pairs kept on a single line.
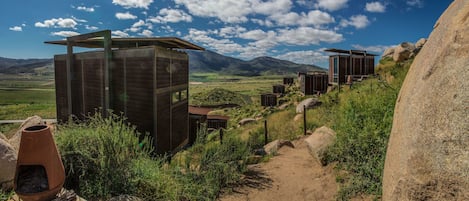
[[404, 51]]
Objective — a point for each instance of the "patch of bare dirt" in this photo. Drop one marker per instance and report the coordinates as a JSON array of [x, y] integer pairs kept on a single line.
[[291, 175]]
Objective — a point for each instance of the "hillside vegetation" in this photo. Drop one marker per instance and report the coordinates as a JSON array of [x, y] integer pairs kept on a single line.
[[105, 157]]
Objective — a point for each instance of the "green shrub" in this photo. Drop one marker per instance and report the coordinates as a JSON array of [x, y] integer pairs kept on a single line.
[[97, 155]]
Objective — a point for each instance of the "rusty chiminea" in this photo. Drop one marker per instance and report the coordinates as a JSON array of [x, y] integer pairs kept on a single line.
[[40, 173]]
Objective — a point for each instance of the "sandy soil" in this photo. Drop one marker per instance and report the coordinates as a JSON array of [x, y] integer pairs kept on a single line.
[[292, 175]]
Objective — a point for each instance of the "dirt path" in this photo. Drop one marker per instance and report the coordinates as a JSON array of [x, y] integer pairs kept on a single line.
[[292, 175]]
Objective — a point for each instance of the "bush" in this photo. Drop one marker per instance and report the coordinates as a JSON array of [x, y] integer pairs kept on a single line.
[[97, 155]]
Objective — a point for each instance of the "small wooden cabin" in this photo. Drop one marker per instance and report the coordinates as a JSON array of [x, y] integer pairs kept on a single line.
[[268, 100], [217, 122], [354, 63], [288, 81], [197, 116], [313, 83], [278, 89], [145, 79]]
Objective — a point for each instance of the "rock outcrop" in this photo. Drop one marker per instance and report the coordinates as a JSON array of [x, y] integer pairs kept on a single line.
[[30, 121], [404, 51], [319, 141], [428, 154], [8, 159], [272, 147], [308, 103]]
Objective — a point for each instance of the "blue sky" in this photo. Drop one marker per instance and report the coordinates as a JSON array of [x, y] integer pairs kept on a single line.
[[296, 30]]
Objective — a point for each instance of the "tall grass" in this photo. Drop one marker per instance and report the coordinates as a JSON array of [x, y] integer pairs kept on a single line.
[[362, 118], [104, 157]]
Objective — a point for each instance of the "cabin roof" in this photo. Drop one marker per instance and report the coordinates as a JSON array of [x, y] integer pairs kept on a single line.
[[166, 42], [350, 52], [199, 110]]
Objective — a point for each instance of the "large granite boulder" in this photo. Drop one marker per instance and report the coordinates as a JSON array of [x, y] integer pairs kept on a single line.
[[403, 51], [428, 150], [388, 52], [319, 141], [308, 103], [30, 121], [8, 159]]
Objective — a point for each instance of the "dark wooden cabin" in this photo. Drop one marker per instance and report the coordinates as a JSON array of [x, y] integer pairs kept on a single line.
[[268, 100], [288, 81], [142, 78], [355, 63], [313, 82], [197, 116], [217, 122], [278, 89]]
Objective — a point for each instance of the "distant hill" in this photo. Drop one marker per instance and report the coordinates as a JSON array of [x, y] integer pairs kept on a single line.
[[208, 61], [13, 66], [200, 61]]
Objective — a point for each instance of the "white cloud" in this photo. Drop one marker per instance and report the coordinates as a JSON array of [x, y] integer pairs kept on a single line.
[[222, 46], [65, 33], [133, 3], [120, 34], [146, 33], [171, 15], [91, 28], [331, 5], [234, 11], [125, 16], [314, 17], [231, 31], [415, 3], [373, 48], [23, 25], [254, 35], [266, 23], [57, 23], [357, 21], [78, 20], [375, 7], [304, 57], [16, 28], [86, 9], [308, 36]]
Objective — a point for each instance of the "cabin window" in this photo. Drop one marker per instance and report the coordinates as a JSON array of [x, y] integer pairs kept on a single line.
[[178, 96]]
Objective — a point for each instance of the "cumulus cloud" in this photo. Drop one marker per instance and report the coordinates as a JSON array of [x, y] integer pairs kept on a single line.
[[308, 36], [262, 41], [57, 23], [146, 33], [234, 11], [266, 23], [86, 9], [231, 31], [133, 3], [357, 21], [331, 5], [171, 15], [375, 7], [16, 28], [125, 16], [314, 17], [91, 28], [65, 33], [119, 33], [373, 48], [415, 3], [304, 57]]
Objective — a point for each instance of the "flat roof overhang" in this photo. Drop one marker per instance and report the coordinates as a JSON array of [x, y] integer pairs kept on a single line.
[[350, 52]]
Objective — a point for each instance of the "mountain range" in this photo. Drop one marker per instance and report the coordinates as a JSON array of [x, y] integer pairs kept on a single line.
[[199, 61]]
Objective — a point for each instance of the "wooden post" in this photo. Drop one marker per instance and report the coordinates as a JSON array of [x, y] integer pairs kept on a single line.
[[265, 132], [304, 119], [221, 136]]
